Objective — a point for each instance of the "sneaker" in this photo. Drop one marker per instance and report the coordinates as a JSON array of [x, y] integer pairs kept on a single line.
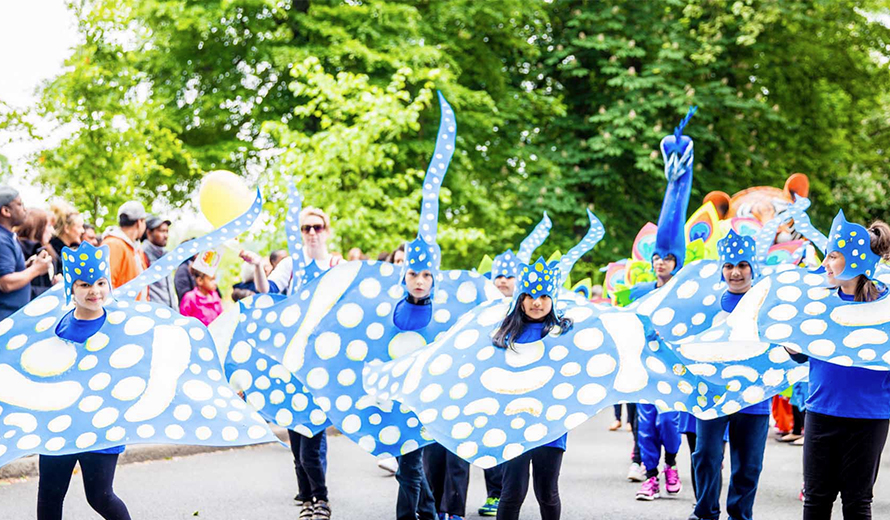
[[322, 510], [636, 473], [388, 464], [490, 508], [615, 426], [307, 510], [672, 480], [649, 491]]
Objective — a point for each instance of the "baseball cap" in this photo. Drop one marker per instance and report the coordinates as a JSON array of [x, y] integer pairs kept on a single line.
[[152, 222], [133, 210], [7, 195]]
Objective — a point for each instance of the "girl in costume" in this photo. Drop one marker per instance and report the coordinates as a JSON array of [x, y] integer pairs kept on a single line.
[[747, 428], [532, 317], [848, 408], [89, 286], [655, 430], [504, 270]]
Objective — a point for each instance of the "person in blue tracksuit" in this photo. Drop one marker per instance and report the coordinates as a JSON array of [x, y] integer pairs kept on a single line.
[[748, 429], [532, 316], [654, 430], [89, 287], [848, 408]]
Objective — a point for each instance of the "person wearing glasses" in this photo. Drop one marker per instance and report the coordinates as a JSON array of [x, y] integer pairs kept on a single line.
[[310, 454]]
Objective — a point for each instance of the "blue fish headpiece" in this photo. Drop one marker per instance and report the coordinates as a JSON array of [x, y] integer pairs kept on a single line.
[[87, 263], [679, 155], [505, 264], [735, 249], [854, 242], [421, 256], [536, 280]]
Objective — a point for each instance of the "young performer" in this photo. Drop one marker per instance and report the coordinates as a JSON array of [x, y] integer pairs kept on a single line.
[[532, 317], [748, 428], [848, 408], [89, 285]]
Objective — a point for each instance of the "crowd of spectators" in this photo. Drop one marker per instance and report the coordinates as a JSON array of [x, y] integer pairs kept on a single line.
[[31, 242]]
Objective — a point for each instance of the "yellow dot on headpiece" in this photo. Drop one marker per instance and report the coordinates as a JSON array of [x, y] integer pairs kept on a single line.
[[64, 256], [853, 265], [91, 269], [538, 287], [539, 267], [841, 243], [547, 277], [525, 284], [741, 251], [852, 233], [77, 270], [862, 256], [417, 248], [99, 254], [84, 256]]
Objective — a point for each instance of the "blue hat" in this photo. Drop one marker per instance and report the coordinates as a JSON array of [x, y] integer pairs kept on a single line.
[[505, 264], [421, 256], [87, 263], [735, 249], [678, 152], [536, 280], [854, 242]]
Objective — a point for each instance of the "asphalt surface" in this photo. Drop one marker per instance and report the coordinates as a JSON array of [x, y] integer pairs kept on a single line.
[[258, 483]]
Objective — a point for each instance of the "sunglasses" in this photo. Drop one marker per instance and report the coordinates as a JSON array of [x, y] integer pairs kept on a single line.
[[318, 228]]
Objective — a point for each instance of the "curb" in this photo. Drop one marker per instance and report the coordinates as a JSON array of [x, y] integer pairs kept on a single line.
[[27, 467]]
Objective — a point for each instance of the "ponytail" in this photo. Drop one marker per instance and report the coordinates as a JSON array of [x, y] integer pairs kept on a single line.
[[879, 233]]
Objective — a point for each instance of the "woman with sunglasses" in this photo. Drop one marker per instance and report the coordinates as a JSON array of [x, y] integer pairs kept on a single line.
[[310, 454]]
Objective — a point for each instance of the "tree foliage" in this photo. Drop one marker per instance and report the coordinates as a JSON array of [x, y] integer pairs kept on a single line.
[[560, 106]]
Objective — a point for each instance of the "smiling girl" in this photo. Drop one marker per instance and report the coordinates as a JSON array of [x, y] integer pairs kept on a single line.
[[87, 282], [848, 408]]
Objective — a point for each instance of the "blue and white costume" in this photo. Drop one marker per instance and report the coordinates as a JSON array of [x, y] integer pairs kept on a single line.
[[146, 375]]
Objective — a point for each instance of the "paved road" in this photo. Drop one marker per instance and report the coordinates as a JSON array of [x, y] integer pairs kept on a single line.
[[258, 483]]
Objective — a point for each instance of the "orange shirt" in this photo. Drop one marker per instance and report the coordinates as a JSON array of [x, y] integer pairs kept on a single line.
[[125, 265]]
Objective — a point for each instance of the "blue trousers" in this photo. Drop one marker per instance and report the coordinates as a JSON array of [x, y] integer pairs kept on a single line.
[[657, 430], [415, 496], [747, 440]]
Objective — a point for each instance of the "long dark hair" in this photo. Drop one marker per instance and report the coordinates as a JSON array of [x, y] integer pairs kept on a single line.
[[879, 232], [514, 322]]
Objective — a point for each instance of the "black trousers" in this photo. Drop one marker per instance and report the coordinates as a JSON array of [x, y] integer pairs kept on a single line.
[[98, 478], [691, 437], [449, 478], [494, 478], [631, 412], [415, 500], [799, 417], [635, 428], [309, 464], [546, 462], [841, 455]]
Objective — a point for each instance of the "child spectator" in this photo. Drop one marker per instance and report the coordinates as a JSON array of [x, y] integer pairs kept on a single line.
[[202, 302]]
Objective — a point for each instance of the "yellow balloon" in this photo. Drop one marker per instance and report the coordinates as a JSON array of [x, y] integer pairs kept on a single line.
[[223, 197]]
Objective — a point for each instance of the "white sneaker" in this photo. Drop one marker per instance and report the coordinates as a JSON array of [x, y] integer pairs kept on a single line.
[[388, 464], [636, 473]]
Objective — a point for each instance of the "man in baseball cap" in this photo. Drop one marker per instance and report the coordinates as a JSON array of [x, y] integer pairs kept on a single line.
[[154, 245], [127, 258]]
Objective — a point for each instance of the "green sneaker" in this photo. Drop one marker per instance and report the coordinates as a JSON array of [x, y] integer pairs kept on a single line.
[[490, 508]]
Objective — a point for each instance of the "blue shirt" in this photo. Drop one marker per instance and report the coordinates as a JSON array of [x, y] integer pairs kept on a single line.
[[12, 260], [531, 332], [641, 289], [78, 331], [852, 392], [412, 316], [728, 303]]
